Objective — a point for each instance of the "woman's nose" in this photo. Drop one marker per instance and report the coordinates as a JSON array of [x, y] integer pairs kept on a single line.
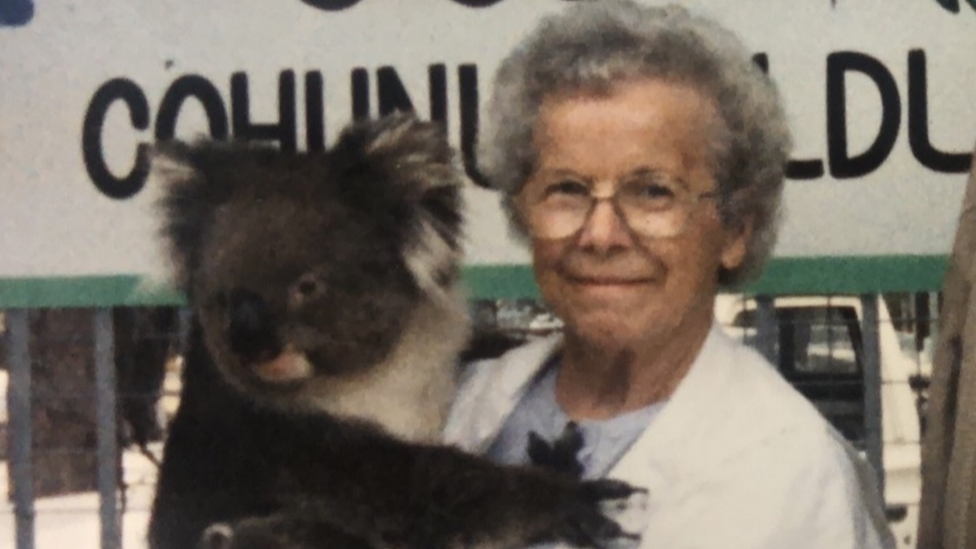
[[604, 229]]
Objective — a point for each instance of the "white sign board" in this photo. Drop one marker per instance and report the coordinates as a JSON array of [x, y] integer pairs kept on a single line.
[[879, 93]]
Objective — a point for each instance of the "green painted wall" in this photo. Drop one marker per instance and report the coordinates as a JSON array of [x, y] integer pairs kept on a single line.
[[783, 276]]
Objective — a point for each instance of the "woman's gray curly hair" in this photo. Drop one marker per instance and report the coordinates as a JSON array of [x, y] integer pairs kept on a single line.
[[593, 46]]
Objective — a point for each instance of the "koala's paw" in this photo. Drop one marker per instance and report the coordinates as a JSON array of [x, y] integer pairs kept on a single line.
[[279, 531], [560, 455], [217, 536], [246, 534], [606, 514]]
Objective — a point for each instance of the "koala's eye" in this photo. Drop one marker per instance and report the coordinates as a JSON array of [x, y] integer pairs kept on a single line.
[[307, 288]]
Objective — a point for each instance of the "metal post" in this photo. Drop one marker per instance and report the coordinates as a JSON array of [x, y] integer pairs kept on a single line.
[[935, 318], [872, 387], [768, 331], [185, 321], [19, 407], [107, 433]]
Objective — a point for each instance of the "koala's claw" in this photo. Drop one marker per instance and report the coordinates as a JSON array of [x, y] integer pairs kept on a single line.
[[594, 520], [592, 530], [607, 489]]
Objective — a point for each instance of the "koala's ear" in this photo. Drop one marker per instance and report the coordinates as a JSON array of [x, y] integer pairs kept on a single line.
[[432, 250], [397, 144], [196, 180], [403, 170]]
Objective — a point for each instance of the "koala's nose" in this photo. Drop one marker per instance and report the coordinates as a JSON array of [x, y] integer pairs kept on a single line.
[[252, 333]]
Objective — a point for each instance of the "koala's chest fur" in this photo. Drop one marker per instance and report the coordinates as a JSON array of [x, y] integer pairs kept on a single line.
[[409, 393], [350, 440]]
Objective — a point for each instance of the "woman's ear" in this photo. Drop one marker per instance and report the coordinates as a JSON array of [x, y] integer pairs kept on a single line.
[[737, 243]]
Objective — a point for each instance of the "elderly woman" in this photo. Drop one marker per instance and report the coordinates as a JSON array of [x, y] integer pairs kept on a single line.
[[641, 155]]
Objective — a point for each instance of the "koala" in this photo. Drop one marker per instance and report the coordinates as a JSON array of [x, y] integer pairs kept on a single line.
[[328, 321]]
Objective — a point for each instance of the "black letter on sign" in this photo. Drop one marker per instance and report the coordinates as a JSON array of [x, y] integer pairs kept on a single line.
[[468, 84], [761, 60], [284, 131], [795, 169], [359, 83], [950, 5], [91, 138], [314, 111], [437, 82], [179, 91], [804, 169], [918, 123], [477, 3], [841, 164], [331, 5], [392, 95]]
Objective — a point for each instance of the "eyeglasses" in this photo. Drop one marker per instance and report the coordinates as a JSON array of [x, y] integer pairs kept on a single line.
[[651, 205]]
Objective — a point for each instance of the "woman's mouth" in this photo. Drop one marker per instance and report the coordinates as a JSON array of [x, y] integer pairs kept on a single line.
[[614, 288], [608, 281]]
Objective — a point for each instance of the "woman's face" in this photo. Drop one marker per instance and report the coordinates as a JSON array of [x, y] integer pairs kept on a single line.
[[611, 286]]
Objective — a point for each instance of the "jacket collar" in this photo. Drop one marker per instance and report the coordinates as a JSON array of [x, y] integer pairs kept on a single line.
[[481, 411]]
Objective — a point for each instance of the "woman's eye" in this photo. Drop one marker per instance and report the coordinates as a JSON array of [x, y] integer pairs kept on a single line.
[[649, 197], [567, 188], [655, 190]]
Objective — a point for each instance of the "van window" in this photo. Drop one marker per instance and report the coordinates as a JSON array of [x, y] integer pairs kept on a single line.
[[819, 351]]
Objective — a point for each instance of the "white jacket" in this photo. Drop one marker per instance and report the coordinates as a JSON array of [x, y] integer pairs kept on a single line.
[[736, 459]]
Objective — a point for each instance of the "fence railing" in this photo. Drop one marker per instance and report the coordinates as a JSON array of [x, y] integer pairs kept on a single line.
[[862, 360]]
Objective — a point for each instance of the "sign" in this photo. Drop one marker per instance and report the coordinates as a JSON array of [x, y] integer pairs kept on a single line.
[[879, 96]]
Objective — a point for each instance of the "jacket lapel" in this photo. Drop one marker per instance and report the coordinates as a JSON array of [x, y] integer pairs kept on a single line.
[[684, 420], [490, 391]]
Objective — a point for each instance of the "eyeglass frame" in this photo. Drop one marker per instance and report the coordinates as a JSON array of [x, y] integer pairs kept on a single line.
[[690, 199]]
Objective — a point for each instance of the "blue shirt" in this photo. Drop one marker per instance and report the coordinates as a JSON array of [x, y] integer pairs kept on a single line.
[[604, 441]]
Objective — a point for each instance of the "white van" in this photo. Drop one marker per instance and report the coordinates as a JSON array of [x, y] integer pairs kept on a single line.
[[820, 351]]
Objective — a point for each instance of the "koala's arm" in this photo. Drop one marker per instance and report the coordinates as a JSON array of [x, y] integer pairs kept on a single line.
[[214, 468], [396, 494]]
